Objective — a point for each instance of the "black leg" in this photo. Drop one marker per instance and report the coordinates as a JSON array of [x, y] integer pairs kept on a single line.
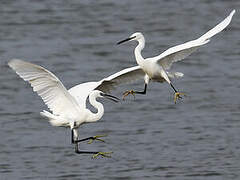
[[73, 140], [83, 152], [80, 140], [88, 138], [177, 94], [173, 88], [95, 153], [126, 93], [142, 92], [85, 139]]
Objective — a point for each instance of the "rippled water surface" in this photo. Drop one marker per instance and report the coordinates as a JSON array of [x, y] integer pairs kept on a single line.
[[151, 137]]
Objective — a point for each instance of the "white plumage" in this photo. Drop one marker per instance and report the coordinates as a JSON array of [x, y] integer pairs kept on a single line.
[[67, 107], [181, 51], [48, 87], [155, 68]]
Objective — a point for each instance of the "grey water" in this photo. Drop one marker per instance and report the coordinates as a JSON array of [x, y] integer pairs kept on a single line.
[[151, 137]]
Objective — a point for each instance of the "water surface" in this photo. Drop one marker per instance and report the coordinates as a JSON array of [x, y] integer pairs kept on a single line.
[[151, 137]]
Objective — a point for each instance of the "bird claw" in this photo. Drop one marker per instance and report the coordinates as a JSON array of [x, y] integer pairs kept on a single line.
[[102, 154], [178, 96], [126, 93], [97, 138]]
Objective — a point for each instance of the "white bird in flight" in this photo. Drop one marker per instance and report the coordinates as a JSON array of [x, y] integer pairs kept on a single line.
[[155, 68], [68, 107]]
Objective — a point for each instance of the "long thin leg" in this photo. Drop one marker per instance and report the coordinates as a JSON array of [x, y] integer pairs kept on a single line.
[[83, 152], [85, 139], [95, 153], [142, 92], [173, 88], [177, 94], [126, 93], [92, 138], [72, 135]]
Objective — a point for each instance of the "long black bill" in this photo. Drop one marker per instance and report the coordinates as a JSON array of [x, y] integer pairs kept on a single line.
[[125, 40], [108, 96]]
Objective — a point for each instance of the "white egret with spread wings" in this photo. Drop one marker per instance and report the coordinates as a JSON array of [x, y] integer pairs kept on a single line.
[[69, 106], [156, 68]]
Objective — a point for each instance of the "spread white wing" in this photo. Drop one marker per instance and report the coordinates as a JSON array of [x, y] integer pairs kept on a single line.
[[124, 76], [180, 52], [48, 87], [80, 92]]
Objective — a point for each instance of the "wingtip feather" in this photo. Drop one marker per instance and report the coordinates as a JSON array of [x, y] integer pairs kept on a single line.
[[12, 63], [233, 12]]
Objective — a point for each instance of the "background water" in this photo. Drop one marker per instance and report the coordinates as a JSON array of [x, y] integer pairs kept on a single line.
[[151, 137]]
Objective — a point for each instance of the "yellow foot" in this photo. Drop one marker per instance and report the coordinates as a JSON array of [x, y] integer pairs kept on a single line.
[[126, 93], [102, 154], [178, 96], [97, 138]]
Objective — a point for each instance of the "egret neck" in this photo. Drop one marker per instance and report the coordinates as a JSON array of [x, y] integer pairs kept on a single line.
[[100, 109], [138, 50]]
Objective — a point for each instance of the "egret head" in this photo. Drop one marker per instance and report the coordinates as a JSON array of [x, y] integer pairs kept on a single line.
[[97, 93], [137, 36]]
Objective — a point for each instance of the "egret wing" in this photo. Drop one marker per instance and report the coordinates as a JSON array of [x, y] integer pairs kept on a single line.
[[81, 92], [47, 85], [180, 52], [124, 76]]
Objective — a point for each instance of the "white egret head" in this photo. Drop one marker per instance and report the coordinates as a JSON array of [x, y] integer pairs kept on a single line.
[[137, 36], [97, 93]]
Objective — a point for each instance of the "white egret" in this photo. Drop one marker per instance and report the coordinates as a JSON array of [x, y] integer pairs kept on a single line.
[[68, 109], [155, 68]]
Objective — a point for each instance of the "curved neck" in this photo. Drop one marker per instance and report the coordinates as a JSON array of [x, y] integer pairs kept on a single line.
[[138, 50], [100, 110]]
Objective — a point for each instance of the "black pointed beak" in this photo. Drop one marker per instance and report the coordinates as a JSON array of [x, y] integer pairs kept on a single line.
[[108, 96], [125, 40]]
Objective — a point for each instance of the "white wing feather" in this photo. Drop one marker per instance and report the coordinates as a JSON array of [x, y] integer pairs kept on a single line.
[[80, 92], [124, 76], [180, 52], [48, 87]]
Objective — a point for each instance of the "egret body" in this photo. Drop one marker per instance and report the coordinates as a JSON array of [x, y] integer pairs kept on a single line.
[[156, 68], [67, 110]]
